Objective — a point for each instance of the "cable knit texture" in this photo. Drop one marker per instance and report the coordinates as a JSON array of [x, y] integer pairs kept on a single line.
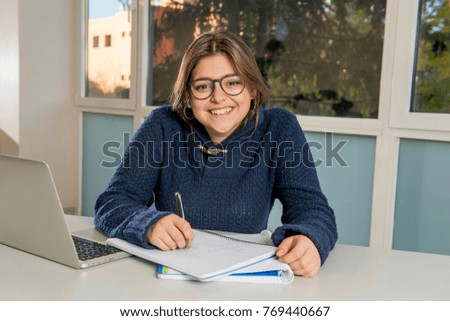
[[231, 191]]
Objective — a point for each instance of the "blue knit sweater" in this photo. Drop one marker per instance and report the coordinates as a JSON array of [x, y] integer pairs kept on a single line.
[[233, 190]]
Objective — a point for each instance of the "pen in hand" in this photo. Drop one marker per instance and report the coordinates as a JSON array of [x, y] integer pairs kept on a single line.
[[180, 210]]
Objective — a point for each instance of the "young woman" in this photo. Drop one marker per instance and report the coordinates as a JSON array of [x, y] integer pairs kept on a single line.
[[228, 156]]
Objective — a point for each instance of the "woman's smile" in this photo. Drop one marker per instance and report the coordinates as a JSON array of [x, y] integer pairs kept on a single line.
[[221, 111]]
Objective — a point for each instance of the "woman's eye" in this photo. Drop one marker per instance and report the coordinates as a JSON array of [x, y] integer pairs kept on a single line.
[[201, 87], [234, 83]]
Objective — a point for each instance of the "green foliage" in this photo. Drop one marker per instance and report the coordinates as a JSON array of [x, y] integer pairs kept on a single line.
[[94, 90], [432, 81], [330, 46]]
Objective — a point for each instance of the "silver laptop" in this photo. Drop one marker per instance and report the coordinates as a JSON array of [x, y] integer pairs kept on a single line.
[[32, 218]]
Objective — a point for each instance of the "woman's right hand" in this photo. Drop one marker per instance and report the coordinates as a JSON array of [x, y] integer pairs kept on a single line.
[[171, 232]]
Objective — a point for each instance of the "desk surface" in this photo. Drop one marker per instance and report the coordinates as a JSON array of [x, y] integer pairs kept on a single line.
[[350, 273]]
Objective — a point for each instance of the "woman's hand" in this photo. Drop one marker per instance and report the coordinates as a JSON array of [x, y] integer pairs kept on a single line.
[[300, 253], [171, 232]]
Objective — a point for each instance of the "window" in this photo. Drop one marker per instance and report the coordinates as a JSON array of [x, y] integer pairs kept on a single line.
[[432, 74], [104, 66], [314, 54], [108, 41], [420, 66]]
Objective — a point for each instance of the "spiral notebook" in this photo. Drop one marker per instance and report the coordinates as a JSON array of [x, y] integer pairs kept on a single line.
[[211, 257], [270, 271]]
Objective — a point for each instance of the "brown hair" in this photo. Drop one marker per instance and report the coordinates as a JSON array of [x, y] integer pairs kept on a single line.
[[241, 58]]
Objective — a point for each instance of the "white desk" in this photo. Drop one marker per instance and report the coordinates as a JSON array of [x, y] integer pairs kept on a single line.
[[350, 273]]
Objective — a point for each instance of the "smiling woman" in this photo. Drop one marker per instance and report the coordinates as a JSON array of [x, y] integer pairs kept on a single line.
[[228, 156], [219, 54]]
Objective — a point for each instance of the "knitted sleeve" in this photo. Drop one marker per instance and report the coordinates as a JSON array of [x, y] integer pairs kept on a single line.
[[305, 207], [125, 209]]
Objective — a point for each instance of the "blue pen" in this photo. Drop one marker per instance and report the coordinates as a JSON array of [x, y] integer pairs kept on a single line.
[[180, 209]]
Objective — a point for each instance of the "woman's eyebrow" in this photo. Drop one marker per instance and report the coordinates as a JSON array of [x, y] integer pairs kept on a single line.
[[207, 78]]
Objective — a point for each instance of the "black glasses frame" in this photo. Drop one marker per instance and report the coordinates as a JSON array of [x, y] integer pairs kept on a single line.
[[213, 81]]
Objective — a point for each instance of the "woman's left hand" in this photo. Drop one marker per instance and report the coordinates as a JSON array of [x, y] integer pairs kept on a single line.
[[300, 253]]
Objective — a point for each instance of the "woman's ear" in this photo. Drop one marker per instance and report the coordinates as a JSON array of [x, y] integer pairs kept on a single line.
[[253, 93]]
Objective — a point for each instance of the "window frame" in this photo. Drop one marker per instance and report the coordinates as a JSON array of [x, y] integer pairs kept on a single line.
[[98, 102], [108, 41], [95, 41], [402, 76]]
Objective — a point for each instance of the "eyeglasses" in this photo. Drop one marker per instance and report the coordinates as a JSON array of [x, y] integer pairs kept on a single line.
[[203, 88]]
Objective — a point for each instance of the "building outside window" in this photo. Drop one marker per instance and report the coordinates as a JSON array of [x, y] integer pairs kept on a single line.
[[107, 64]]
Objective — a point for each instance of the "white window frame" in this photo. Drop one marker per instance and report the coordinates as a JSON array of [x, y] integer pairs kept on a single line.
[[402, 77], [98, 102]]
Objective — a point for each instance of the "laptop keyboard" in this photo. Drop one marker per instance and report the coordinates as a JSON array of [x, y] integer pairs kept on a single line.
[[88, 250]]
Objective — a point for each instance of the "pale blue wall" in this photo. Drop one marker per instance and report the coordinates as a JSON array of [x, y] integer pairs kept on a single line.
[[348, 186], [99, 129], [422, 209]]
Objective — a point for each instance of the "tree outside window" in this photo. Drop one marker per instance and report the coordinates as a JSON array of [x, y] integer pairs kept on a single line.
[[319, 57], [432, 74]]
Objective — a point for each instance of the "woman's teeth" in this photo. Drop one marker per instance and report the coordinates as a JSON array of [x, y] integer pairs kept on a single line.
[[221, 111]]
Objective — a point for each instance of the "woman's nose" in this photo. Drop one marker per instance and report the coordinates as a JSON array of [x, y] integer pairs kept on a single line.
[[218, 94]]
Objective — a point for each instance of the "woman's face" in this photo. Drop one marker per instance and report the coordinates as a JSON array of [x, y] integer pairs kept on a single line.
[[220, 113]]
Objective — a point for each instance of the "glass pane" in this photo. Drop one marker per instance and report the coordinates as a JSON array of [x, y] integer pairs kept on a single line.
[[432, 74], [108, 49], [345, 166], [314, 54], [422, 216], [346, 177], [104, 140]]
